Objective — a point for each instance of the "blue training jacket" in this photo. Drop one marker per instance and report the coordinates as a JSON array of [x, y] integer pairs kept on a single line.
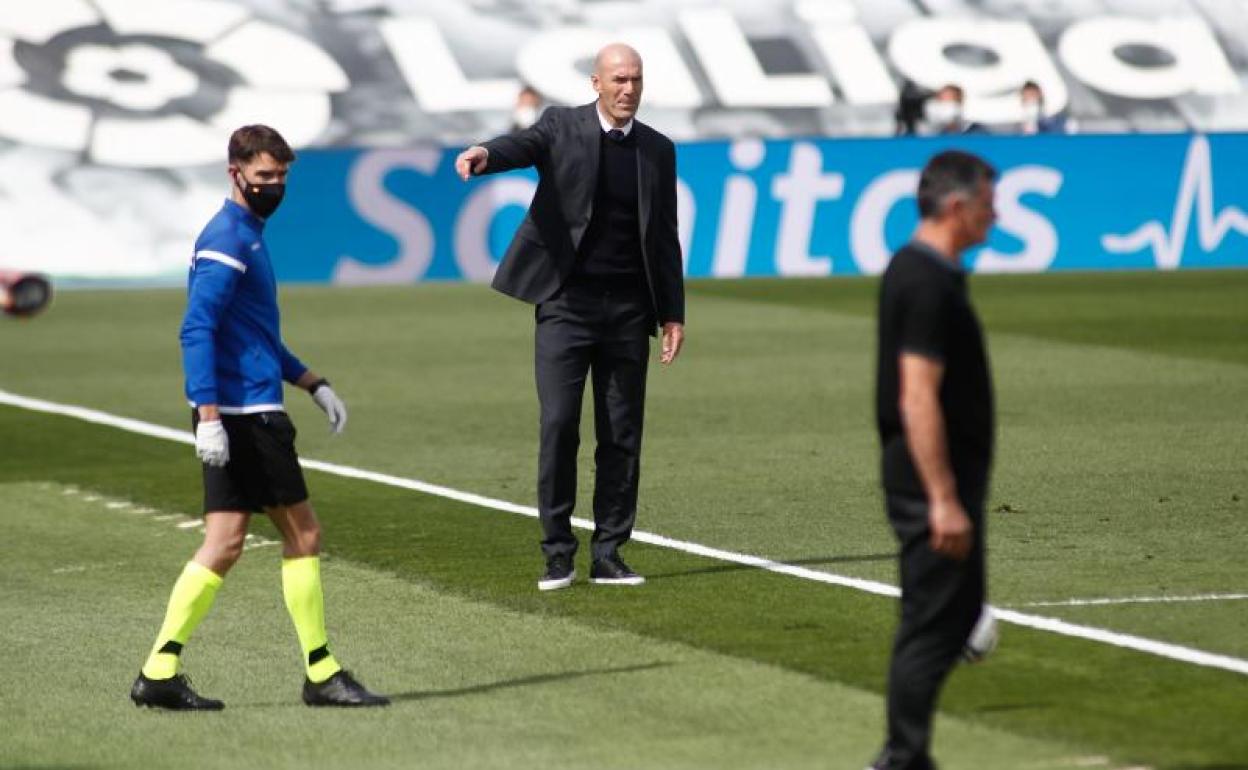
[[232, 351]]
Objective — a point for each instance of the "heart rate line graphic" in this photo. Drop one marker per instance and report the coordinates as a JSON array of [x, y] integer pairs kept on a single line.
[[1194, 200]]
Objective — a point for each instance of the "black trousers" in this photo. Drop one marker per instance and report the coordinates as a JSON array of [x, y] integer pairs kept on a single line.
[[940, 602], [601, 329]]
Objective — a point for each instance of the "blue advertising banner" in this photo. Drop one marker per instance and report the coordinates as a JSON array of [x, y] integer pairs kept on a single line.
[[791, 208]]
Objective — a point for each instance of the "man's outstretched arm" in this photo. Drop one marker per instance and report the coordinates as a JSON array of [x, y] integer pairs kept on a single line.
[[517, 150]]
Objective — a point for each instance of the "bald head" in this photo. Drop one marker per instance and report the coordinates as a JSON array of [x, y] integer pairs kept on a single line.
[[615, 54], [617, 79]]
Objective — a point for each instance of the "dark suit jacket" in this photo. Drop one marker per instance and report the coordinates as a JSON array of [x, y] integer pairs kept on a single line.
[[564, 146]]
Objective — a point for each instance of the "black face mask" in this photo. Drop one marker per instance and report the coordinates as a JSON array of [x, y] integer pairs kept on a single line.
[[262, 199]]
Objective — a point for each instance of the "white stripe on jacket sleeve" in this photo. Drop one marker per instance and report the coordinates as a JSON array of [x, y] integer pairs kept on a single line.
[[224, 259]]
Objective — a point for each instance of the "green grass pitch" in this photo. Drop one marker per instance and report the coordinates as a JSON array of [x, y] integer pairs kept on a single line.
[[1122, 472]]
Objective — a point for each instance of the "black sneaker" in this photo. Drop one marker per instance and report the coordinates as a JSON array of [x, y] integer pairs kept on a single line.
[[341, 689], [612, 571], [174, 694], [559, 574]]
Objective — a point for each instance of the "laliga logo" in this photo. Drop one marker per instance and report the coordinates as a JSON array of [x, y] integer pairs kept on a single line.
[[150, 83]]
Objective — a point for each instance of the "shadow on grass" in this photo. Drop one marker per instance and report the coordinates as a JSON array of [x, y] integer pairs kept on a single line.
[[808, 562], [1000, 708], [524, 681], [485, 687]]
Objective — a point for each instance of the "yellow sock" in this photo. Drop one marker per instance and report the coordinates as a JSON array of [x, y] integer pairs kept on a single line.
[[301, 587], [189, 602]]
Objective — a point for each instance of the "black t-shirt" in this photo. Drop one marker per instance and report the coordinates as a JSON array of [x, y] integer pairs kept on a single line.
[[924, 309]]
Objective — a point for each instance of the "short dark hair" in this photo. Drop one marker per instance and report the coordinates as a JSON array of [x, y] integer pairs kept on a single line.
[[954, 89], [249, 141], [1031, 85], [951, 171]]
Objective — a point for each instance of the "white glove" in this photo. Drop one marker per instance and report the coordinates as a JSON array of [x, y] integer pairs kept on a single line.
[[332, 406], [211, 443]]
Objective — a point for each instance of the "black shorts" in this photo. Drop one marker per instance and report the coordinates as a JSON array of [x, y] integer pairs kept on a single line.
[[263, 471]]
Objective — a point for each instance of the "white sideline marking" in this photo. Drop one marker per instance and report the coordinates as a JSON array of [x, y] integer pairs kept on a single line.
[[1038, 622], [1102, 601], [259, 542], [76, 568], [250, 542]]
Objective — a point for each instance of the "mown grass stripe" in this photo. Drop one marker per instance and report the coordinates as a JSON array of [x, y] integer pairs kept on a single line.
[[1040, 623]]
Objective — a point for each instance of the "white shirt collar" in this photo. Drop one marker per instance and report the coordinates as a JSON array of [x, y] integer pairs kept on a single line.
[[627, 128]]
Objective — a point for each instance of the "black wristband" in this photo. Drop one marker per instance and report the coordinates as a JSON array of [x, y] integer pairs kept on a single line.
[[321, 383]]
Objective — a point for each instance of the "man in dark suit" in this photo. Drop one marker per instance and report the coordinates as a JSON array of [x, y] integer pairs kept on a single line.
[[598, 255]]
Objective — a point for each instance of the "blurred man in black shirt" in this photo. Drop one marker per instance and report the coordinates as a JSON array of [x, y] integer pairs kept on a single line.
[[934, 411]]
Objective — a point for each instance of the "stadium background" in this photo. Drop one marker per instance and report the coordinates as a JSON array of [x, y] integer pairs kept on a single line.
[[113, 113], [1119, 504]]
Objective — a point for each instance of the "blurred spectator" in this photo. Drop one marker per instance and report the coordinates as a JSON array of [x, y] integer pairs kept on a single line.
[[528, 109], [1034, 121], [910, 108], [944, 112]]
